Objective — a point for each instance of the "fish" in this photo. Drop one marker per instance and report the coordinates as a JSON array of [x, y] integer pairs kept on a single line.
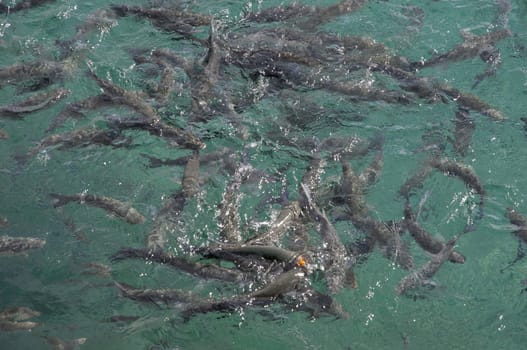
[[471, 47], [157, 295], [424, 239], [171, 19], [265, 251], [166, 85], [472, 102], [59, 344], [323, 15], [15, 245], [416, 180], [387, 238], [22, 5], [111, 205], [166, 221], [228, 217], [19, 313], [35, 102], [132, 99], [183, 264], [284, 283], [334, 269], [464, 128], [14, 319], [3, 135], [81, 137], [44, 69], [289, 214], [181, 137], [520, 221], [463, 172], [427, 271], [190, 182], [15, 326], [204, 158]]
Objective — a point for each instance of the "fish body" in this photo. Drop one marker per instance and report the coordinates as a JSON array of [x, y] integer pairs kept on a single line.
[[111, 205], [190, 182], [428, 270], [425, 240], [335, 271], [183, 264], [35, 102], [287, 216], [157, 295], [471, 47], [14, 245]]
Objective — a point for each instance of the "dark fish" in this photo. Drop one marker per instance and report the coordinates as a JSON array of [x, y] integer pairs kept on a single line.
[[463, 172], [428, 270], [170, 19], [159, 128], [415, 181], [519, 220], [472, 102], [228, 216], [133, 99], [123, 318], [183, 264], [268, 252], [111, 205], [35, 102], [204, 158], [464, 128], [284, 283], [388, 239], [76, 138], [425, 239], [22, 5], [13, 245], [166, 221], [158, 295], [325, 15], [190, 181], [334, 269], [471, 47], [166, 85], [50, 70]]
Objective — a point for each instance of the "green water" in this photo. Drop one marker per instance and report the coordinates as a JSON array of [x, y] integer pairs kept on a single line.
[[475, 306]]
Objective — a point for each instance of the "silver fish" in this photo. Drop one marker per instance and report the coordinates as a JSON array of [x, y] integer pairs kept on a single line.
[[111, 205]]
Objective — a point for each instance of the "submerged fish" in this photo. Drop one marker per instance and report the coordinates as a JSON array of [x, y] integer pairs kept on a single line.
[[428, 270], [111, 205], [14, 319], [34, 103], [13, 245]]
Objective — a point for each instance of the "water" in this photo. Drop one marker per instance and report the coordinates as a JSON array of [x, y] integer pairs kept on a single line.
[[474, 304]]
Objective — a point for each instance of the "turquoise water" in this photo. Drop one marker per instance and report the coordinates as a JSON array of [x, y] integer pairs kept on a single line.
[[474, 305]]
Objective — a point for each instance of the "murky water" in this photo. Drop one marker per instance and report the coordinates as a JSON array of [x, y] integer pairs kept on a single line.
[[473, 305]]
